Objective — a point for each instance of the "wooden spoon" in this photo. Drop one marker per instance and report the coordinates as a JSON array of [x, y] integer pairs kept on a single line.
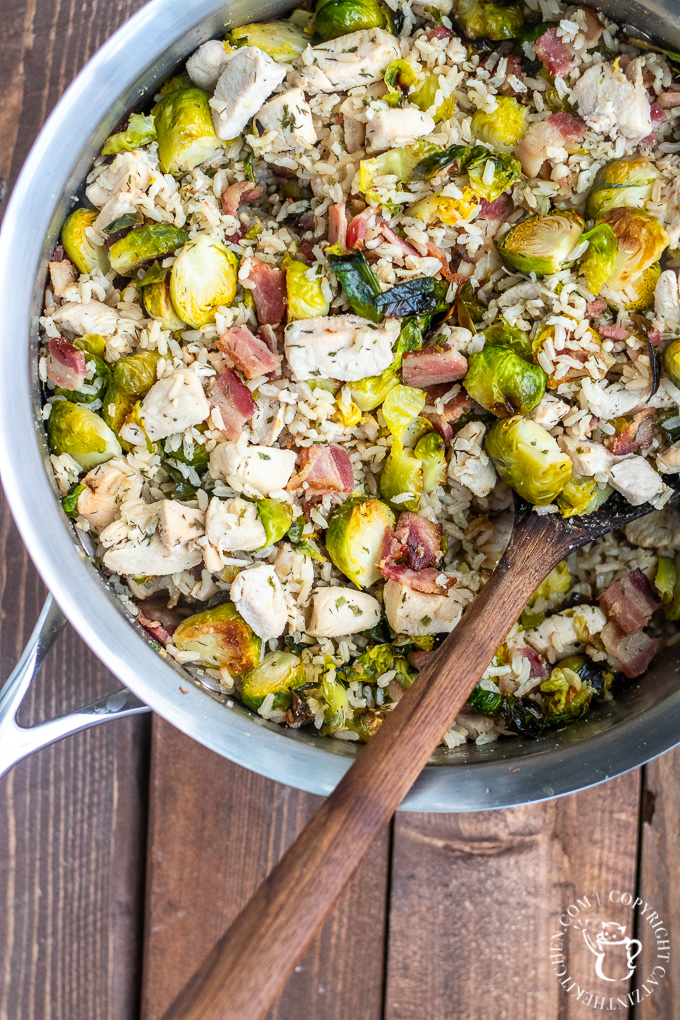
[[248, 966]]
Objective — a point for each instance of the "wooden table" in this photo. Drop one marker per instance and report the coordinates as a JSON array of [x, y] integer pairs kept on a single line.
[[126, 850]]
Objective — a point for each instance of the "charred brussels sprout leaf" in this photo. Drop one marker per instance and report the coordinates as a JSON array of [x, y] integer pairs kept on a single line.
[[542, 244], [416, 162], [145, 243], [640, 239], [567, 696], [400, 79], [431, 452], [496, 21], [469, 309], [623, 182], [504, 383], [355, 536], [334, 18], [136, 374], [359, 283], [183, 488], [523, 716], [220, 639], [486, 702], [665, 578], [276, 519], [597, 265], [279, 673], [672, 603], [402, 476], [140, 131], [82, 434], [203, 277], [422, 296], [528, 458], [504, 126], [70, 501], [591, 673], [282, 40], [305, 296], [376, 660], [131, 219], [186, 136], [85, 255]]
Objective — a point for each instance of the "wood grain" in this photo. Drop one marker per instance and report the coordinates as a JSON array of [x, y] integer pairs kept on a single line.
[[215, 832]]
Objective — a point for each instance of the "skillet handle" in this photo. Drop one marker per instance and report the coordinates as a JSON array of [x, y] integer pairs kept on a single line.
[[17, 742]]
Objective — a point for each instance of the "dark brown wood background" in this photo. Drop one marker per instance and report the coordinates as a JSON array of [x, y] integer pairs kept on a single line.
[[125, 851]]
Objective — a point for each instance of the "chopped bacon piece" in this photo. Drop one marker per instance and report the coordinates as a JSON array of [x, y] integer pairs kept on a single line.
[[65, 364], [436, 253], [499, 209], [658, 116], [240, 193], [439, 32], [356, 231], [420, 658], [538, 665], [427, 580], [268, 286], [153, 627], [558, 131], [59, 254], [62, 276], [325, 469], [233, 400], [668, 100], [595, 308], [630, 603], [433, 365], [555, 56], [636, 436], [614, 332], [248, 353], [337, 224], [633, 651], [393, 238], [442, 422], [305, 252], [420, 540]]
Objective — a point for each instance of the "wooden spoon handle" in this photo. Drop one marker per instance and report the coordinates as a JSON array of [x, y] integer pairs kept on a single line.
[[247, 967]]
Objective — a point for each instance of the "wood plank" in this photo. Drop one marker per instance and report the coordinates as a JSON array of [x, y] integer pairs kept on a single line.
[[215, 832], [659, 870], [476, 898], [72, 817]]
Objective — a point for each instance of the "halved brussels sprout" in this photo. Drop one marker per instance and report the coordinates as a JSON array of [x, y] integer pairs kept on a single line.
[[641, 239], [496, 21], [424, 97], [279, 673], [203, 277], [116, 409], [186, 136], [542, 244], [582, 496], [145, 243], [599, 260], [276, 518], [639, 295], [366, 724], [623, 182], [504, 126], [501, 332], [504, 383], [334, 18], [85, 255], [282, 40], [158, 305], [221, 639], [337, 710], [671, 361], [567, 696], [82, 434], [402, 476], [528, 458], [376, 660], [401, 406], [136, 374], [140, 131], [305, 297], [431, 452], [355, 536]]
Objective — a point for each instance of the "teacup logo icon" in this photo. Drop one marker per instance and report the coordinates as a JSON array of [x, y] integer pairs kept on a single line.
[[614, 951]]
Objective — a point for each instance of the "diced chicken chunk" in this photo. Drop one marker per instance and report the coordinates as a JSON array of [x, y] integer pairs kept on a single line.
[[667, 301], [289, 116], [613, 401], [120, 188], [564, 633], [418, 613], [134, 546], [469, 464], [343, 347], [668, 461], [267, 421], [92, 317], [179, 524], [205, 66], [636, 479], [550, 411], [587, 458], [255, 470], [173, 404], [107, 486], [339, 611], [359, 58], [248, 79], [62, 276], [613, 103], [658, 530], [389, 129], [258, 597], [352, 111], [231, 526]]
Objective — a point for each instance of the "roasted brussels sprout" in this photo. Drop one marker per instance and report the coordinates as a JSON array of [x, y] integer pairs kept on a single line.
[[184, 125], [402, 476], [401, 406], [337, 711], [567, 696], [221, 639], [640, 238], [203, 277], [491, 173], [424, 97], [431, 452], [623, 182], [158, 305], [334, 18], [276, 518], [305, 296], [486, 702], [599, 260], [145, 243], [639, 295], [496, 21], [366, 724], [376, 660], [469, 308], [91, 343], [140, 131], [503, 127], [542, 244], [279, 673], [416, 162], [528, 458], [504, 383], [116, 409], [136, 374], [80, 433], [523, 716], [599, 680], [355, 536], [282, 40], [400, 79], [582, 496], [501, 332], [85, 255]]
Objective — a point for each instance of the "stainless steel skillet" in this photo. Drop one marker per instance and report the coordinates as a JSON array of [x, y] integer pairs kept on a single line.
[[643, 723]]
